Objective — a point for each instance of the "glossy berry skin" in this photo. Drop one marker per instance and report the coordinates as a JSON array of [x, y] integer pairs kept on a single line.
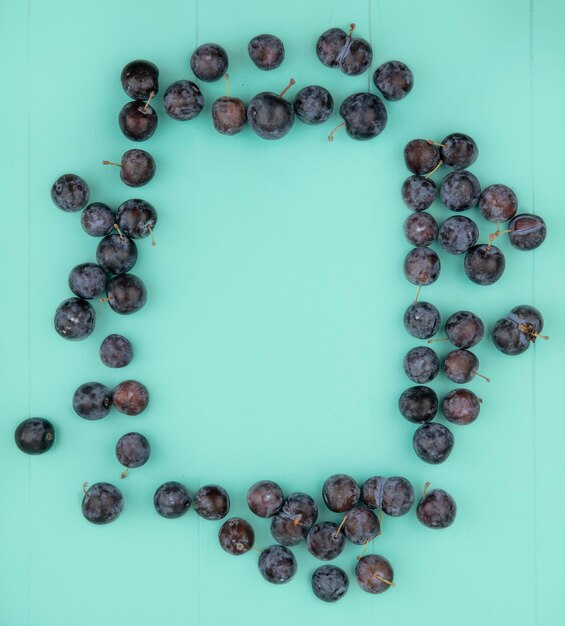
[[460, 366], [422, 266], [329, 583], [35, 435], [336, 49], [265, 498], [422, 320], [437, 509], [420, 229], [371, 571], [458, 234], [341, 493], [97, 219], [313, 104], [277, 565], [433, 442], [418, 193], [498, 203], [461, 407], [138, 120], [324, 542], [140, 78], [421, 156], [116, 254], [130, 397], [171, 500], [291, 524], [361, 525], [372, 492], [70, 193], [133, 450], [460, 190], [212, 502], [236, 536], [464, 329], [527, 232], [421, 364], [92, 401], [102, 503], [418, 404], [126, 294], [87, 280], [484, 264], [209, 62], [398, 496], [266, 51], [508, 338], [229, 115], [137, 167], [394, 80], [136, 218], [183, 100], [364, 115], [75, 319], [459, 151], [116, 351], [270, 116]]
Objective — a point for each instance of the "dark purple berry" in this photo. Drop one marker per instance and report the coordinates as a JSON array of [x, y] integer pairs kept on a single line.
[[418, 193], [341, 493], [116, 351], [35, 435], [459, 151], [461, 407], [433, 442], [102, 503], [97, 219], [212, 502], [136, 218], [394, 80], [126, 294], [464, 329], [87, 280], [269, 115], [277, 564], [137, 167], [209, 62], [422, 266], [70, 193], [458, 234], [460, 366], [364, 116], [133, 450], [421, 364], [398, 496], [418, 404], [116, 254], [374, 573], [460, 190], [236, 536], [313, 104], [361, 525], [372, 492], [138, 120], [75, 319], [265, 498], [484, 264], [266, 51], [420, 229], [183, 100], [527, 232], [498, 203], [422, 320], [421, 156], [229, 115], [329, 583], [140, 79], [437, 509], [324, 542], [92, 401], [171, 500]]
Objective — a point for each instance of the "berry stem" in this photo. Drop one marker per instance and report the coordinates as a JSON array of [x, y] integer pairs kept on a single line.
[[111, 163], [384, 580], [351, 29], [331, 135], [418, 293], [496, 234], [103, 299], [381, 522], [153, 242], [257, 549], [84, 486], [524, 328], [151, 96], [436, 168], [364, 550], [435, 143], [290, 84], [426, 487], [441, 339], [119, 232], [125, 472], [336, 534], [481, 375], [227, 77]]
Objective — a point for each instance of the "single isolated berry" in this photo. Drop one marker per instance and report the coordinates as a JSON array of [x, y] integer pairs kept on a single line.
[[92, 401], [209, 62], [313, 104], [130, 397], [137, 167], [433, 442], [212, 502], [236, 536], [374, 573], [436, 509], [183, 100], [35, 435], [116, 351], [229, 114], [172, 500], [269, 115], [75, 319], [132, 450], [394, 80], [102, 503], [266, 51], [277, 565], [329, 583], [70, 193]]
